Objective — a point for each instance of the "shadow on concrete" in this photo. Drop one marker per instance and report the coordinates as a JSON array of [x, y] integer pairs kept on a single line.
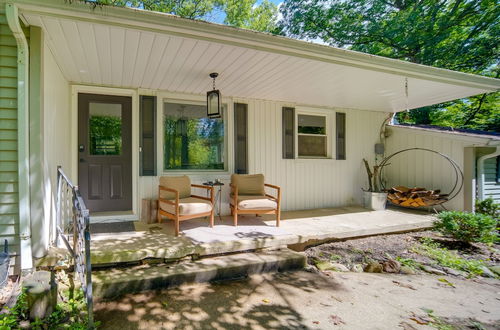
[[216, 306]]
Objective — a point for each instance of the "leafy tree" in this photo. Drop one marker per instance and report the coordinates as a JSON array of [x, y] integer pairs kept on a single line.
[[458, 35], [245, 13]]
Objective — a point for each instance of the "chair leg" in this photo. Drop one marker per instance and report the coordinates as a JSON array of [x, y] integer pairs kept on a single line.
[[177, 226], [212, 219], [235, 217], [158, 216], [278, 216]]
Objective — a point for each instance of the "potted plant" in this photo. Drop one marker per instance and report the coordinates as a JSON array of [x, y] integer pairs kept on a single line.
[[373, 197]]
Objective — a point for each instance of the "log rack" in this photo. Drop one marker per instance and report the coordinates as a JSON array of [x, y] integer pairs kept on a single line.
[[441, 198]]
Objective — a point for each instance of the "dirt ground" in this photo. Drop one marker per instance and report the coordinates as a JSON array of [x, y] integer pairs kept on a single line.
[[384, 247], [304, 300]]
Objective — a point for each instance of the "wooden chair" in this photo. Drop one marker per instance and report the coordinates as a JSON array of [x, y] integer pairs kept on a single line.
[[176, 202], [248, 196]]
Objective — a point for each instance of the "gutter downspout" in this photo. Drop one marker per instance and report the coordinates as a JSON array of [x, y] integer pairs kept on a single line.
[[480, 172], [12, 15]]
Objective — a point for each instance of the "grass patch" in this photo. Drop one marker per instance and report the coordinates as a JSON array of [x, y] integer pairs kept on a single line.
[[447, 258], [408, 262], [437, 322], [335, 257]]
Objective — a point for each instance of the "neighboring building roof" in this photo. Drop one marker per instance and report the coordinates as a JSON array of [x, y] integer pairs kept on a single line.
[[451, 130], [181, 52]]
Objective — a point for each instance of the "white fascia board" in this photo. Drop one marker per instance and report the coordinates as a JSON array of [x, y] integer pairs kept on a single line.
[[174, 25]]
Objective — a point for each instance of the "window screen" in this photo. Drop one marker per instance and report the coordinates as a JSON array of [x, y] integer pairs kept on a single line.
[[312, 139]]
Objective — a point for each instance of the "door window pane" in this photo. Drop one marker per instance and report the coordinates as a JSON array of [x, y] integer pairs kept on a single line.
[[105, 128], [192, 140]]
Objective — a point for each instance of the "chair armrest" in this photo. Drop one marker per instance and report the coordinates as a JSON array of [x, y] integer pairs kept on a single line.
[[166, 201], [278, 190], [208, 188], [175, 203]]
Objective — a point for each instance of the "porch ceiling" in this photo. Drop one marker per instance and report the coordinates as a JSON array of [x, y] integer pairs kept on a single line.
[[92, 51]]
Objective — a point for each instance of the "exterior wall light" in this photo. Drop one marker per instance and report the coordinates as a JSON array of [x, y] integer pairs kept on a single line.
[[214, 100]]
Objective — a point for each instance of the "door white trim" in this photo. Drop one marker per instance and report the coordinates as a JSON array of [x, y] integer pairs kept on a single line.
[[75, 89]]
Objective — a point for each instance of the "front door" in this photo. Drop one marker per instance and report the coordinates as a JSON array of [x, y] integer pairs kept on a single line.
[[105, 151]]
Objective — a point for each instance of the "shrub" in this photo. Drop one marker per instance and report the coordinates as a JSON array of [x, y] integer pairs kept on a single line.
[[488, 207], [467, 227]]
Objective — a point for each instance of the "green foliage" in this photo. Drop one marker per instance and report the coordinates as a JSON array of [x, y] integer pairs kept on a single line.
[[459, 35], [10, 320], [437, 322], [249, 14], [105, 135], [448, 258], [246, 14], [67, 315], [193, 143], [467, 227], [488, 207], [408, 262]]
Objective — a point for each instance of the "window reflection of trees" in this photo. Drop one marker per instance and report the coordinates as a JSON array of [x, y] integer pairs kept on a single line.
[[105, 135], [193, 143]]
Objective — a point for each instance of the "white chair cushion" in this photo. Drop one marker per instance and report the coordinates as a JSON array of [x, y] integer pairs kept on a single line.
[[256, 203], [188, 206]]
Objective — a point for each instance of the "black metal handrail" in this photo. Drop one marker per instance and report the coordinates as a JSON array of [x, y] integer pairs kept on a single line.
[[72, 220]]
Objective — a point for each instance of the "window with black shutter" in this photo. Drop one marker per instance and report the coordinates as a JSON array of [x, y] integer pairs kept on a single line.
[[147, 135], [241, 138], [340, 135], [288, 131]]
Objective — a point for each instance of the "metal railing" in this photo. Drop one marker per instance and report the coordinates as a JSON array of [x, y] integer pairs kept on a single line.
[[72, 225]]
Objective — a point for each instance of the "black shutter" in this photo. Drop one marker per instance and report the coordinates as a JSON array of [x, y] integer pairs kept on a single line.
[[147, 135], [340, 138], [241, 138], [288, 131]]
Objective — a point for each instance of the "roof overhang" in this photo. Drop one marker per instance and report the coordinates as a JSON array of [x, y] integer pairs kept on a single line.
[[132, 48]]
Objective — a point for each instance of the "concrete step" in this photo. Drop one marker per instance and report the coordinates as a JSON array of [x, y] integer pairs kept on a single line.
[[109, 283]]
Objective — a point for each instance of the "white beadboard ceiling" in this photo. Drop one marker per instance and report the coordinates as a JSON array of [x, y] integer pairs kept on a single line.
[[120, 56]]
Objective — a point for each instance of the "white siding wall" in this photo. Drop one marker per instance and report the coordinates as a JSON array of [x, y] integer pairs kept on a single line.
[[491, 186], [56, 131], [424, 169], [305, 183]]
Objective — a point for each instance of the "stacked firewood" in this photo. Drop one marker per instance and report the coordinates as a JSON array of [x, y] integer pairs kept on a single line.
[[415, 197]]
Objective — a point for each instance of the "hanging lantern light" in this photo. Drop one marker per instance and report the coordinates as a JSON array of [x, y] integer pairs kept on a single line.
[[214, 100]]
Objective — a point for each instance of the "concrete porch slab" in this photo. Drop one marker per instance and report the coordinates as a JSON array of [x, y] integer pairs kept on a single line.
[[298, 229]]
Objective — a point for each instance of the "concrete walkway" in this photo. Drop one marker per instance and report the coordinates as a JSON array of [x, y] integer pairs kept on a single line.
[[298, 229], [302, 300]]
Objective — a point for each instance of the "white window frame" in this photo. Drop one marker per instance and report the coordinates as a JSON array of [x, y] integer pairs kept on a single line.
[[328, 135], [194, 101]]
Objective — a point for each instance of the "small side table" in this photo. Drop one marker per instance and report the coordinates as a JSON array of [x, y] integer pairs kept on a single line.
[[218, 195]]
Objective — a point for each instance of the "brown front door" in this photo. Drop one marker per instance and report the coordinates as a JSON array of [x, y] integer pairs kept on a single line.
[[105, 151]]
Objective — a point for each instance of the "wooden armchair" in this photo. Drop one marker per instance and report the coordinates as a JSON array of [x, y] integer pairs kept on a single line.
[[176, 202], [248, 196]]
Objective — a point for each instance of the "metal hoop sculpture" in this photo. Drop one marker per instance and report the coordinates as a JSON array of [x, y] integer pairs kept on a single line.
[[459, 175]]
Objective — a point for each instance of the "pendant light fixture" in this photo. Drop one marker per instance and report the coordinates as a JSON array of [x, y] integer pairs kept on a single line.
[[214, 100]]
